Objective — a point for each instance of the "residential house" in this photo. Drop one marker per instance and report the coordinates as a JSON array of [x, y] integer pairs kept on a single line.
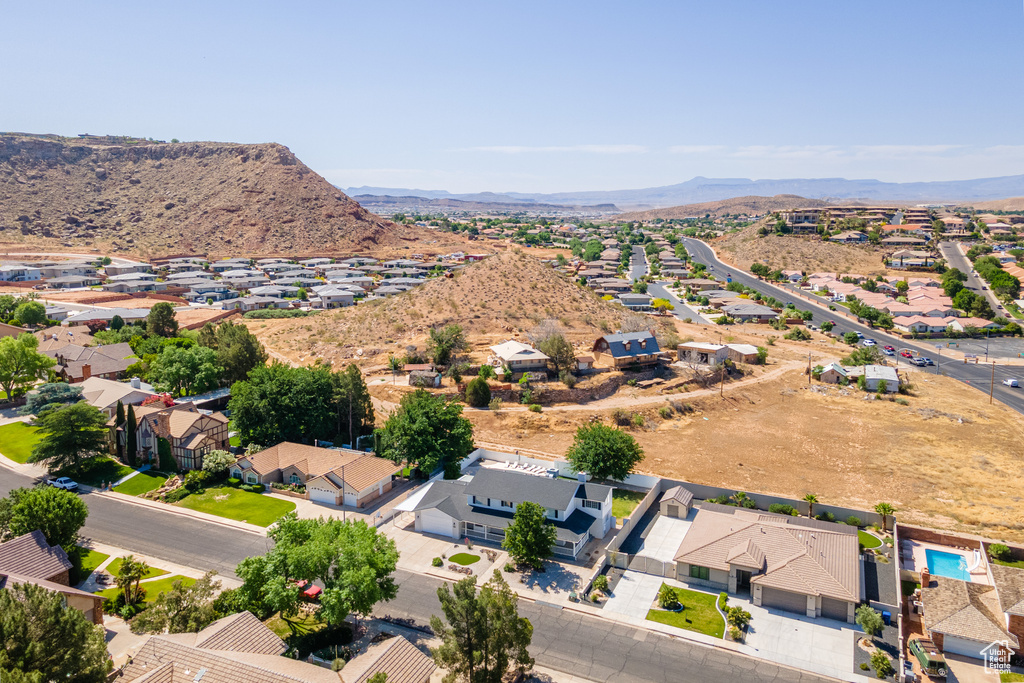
[[396, 657], [192, 433], [253, 303], [482, 505], [742, 353], [104, 393], [874, 375], [700, 284], [519, 357], [17, 272], [132, 286], [129, 315], [750, 313], [30, 559], [624, 349], [850, 237], [127, 267], [73, 282], [11, 330], [966, 618], [188, 277], [834, 373], [789, 563], [903, 241], [922, 324], [58, 270], [230, 264], [701, 353], [76, 363], [331, 476], [961, 324], [333, 296], [277, 291], [635, 302]]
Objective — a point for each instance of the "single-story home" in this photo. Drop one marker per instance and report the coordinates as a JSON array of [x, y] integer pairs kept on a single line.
[[793, 564], [750, 313], [624, 349], [964, 618], [331, 476], [702, 353], [77, 363], [482, 505], [874, 375], [742, 353], [851, 236], [105, 394]]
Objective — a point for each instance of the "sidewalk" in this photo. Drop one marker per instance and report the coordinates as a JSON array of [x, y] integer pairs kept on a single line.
[[174, 510]]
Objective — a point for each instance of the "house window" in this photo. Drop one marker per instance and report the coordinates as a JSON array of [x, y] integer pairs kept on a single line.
[[294, 479], [699, 572], [506, 503], [250, 478], [592, 504], [552, 513]]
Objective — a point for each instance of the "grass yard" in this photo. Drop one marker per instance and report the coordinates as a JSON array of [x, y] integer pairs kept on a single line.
[[98, 472], [699, 614], [144, 482], [115, 567], [237, 504], [1008, 677], [90, 560], [907, 588], [153, 588], [299, 625], [235, 441], [1019, 564], [306, 634], [868, 540], [465, 559], [17, 440], [625, 501]]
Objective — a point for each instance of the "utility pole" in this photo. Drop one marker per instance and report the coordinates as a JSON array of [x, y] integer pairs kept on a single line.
[[721, 389], [992, 386], [808, 368]]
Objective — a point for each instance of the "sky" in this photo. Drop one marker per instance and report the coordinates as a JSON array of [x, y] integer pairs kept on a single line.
[[539, 96]]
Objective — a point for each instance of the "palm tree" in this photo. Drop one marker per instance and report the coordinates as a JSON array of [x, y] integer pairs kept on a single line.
[[810, 499], [886, 510], [129, 575], [394, 364]]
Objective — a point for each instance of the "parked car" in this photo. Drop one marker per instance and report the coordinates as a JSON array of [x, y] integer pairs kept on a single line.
[[859, 335], [63, 483], [1011, 383]]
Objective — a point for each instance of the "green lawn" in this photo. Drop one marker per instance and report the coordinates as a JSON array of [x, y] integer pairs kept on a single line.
[[17, 440], [868, 540], [624, 502], [98, 472], [1019, 564], [464, 559], [115, 567], [699, 614], [1007, 677], [90, 560], [144, 482], [237, 504], [153, 588], [299, 625], [235, 441]]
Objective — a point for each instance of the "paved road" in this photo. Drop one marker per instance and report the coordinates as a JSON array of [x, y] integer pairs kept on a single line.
[[682, 310], [955, 258], [637, 263], [567, 641], [978, 376]]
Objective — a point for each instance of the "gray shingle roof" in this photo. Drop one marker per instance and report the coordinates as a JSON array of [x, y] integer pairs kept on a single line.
[[516, 487], [617, 344]]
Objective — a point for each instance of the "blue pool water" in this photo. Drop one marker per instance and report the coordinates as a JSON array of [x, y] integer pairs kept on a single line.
[[949, 565]]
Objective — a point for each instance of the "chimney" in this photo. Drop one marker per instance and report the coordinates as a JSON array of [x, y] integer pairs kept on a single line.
[[86, 371], [925, 578], [136, 383], [163, 424], [581, 477]]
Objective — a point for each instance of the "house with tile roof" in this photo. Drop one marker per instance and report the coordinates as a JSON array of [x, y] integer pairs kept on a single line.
[[963, 617], [482, 505], [30, 559], [794, 564], [331, 476]]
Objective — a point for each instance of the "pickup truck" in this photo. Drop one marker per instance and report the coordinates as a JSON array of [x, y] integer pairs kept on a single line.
[[63, 483]]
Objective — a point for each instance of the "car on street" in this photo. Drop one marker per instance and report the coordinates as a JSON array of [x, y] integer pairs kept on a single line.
[[928, 361], [1011, 382], [859, 335], [889, 352], [906, 354], [887, 347], [63, 483], [869, 342], [919, 362]]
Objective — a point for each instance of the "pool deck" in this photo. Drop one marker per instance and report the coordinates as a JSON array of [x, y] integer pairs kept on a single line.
[[915, 560]]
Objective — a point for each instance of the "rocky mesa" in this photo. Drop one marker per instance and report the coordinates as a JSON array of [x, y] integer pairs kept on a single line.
[[154, 198]]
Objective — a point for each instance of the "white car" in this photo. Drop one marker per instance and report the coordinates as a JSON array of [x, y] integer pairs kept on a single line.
[[63, 483], [869, 342], [1011, 383]]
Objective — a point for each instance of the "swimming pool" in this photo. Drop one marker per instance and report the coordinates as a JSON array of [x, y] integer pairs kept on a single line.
[[950, 565]]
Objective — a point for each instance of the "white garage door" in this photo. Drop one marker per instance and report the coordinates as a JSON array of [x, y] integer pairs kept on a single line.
[[318, 495], [952, 645], [785, 600], [350, 499], [436, 522]]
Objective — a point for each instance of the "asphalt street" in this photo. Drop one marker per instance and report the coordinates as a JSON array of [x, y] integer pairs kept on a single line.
[[563, 640], [637, 263], [957, 260], [978, 376]]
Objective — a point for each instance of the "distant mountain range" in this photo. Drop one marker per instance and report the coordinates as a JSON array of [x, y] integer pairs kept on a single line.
[[702, 189]]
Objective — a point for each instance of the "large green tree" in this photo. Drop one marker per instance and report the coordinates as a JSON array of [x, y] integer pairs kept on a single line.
[[429, 431], [443, 343], [185, 372], [21, 365], [530, 537], [238, 349], [353, 562], [281, 403], [483, 637], [31, 313], [160, 322], [59, 514], [69, 436], [41, 635], [50, 395], [183, 609], [605, 452], [559, 351], [353, 405]]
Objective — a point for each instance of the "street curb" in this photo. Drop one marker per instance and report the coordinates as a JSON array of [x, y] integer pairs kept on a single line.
[[163, 507]]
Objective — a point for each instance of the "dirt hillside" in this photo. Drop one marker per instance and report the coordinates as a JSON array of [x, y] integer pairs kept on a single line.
[[751, 205], [790, 252], [151, 198], [500, 298], [1010, 204]]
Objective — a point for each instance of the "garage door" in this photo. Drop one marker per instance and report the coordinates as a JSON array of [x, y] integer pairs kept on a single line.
[[791, 602], [436, 522], [350, 499], [834, 609], [318, 495], [952, 645]]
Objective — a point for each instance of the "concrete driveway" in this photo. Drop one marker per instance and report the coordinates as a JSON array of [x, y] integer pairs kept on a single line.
[[663, 540]]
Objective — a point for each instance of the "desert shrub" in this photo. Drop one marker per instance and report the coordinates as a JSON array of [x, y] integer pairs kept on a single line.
[[798, 334], [665, 412], [601, 583], [631, 382], [509, 568], [782, 509], [176, 495], [495, 404], [437, 562], [269, 313], [620, 417], [853, 521], [999, 551], [882, 665], [567, 378], [478, 394], [637, 420], [535, 408], [826, 517], [902, 401]]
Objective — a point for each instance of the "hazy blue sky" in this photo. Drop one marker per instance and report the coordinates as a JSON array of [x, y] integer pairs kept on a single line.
[[540, 96]]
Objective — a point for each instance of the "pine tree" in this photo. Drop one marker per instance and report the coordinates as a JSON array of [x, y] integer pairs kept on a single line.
[[131, 444], [355, 409], [118, 423]]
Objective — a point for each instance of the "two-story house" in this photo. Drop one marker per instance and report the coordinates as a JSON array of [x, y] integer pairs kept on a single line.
[[621, 350], [481, 506], [519, 357], [191, 432]]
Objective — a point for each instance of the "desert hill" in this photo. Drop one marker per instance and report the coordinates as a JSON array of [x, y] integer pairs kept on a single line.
[[790, 252], [1009, 204], [151, 198], [502, 297], [751, 205]]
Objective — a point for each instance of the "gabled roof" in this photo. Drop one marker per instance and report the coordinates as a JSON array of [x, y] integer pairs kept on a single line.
[[617, 344], [513, 350], [679, 494], [241, 632], [746, 554], [31, 555], [964, 610], [556, 494], [397, 657], [1009, 582], [103, 393]]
